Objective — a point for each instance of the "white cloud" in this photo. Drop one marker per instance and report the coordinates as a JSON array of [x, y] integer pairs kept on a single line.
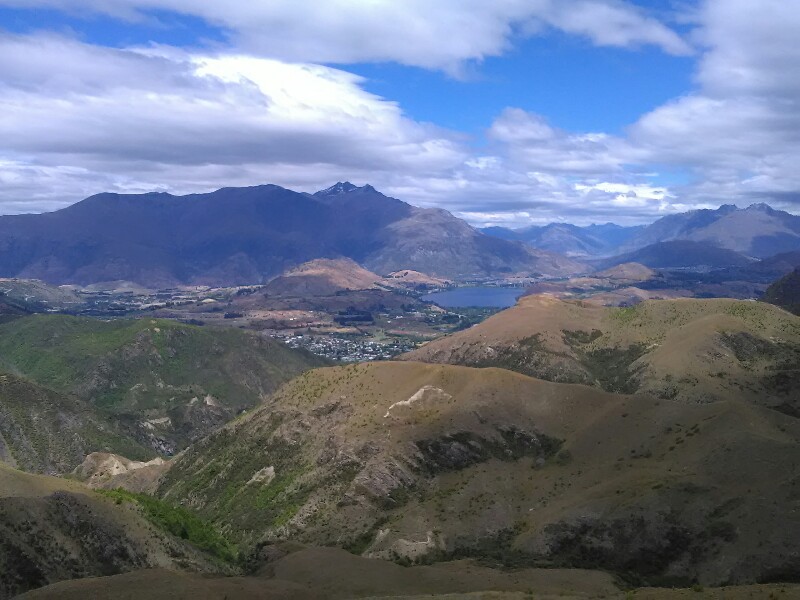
[[628, 196], [439, 34], [614, 24], [159, 118], [194, 109], [753, 48], [533, 144], [168, 119], [739, 132], [187, 121]]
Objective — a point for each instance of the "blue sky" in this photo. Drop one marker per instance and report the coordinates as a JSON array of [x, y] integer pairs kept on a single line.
[[538, 74], [510, 112], [160, 27]]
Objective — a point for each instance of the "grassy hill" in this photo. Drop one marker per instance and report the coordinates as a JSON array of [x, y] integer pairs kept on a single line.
[[423, 463], [316, 573], [785, 292], [164, 382], [52, 530], [79, 544], [43, 431], [322, 277], [687, 349]]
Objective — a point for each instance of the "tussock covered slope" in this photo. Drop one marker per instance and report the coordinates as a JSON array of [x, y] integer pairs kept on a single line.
[[329, 573], [686, 349], [161, 382], [418, 462], [53, 530], [42, 431]]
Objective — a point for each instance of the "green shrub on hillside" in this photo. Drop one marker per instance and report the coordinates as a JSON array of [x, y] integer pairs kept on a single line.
[[178, 521]]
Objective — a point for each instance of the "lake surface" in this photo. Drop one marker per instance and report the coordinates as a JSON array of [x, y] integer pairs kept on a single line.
[[485, 297]]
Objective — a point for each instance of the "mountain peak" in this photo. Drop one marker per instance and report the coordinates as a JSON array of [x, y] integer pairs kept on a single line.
[[761, 207], [340, 187]]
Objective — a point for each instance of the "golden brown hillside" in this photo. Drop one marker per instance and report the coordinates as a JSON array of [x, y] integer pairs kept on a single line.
[[686, 349], [627, 272], [418, 463], [322, 277]]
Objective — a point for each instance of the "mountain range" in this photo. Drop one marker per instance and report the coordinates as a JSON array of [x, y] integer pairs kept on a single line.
[[248, 235], [564, 445], [570, 240], [756, 231]]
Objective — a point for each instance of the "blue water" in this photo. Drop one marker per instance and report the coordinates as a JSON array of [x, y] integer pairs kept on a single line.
[[485, 297]]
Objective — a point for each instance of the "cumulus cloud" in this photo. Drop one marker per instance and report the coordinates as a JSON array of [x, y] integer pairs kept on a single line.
[[739, 132], [170, 106], [439, 34], [165, 117], [613, 24], [533, 144], [753, 48], [736, 135], [161, 118]]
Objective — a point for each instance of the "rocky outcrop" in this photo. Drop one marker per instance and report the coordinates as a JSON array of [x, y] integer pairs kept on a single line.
[[110, 471]]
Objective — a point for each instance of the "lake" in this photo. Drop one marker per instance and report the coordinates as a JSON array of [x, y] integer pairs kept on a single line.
[[484, 297]]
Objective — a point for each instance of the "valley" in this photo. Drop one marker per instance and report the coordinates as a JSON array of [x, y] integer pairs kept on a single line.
[[399, 300], [582, 427], [149, 386]]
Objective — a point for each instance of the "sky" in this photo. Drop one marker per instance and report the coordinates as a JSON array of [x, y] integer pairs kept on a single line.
[[510, 112]]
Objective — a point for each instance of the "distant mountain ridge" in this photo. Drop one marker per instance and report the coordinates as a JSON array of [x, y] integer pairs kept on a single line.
[[756, 231], [680, 254], [570, 240], [248, 235]]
